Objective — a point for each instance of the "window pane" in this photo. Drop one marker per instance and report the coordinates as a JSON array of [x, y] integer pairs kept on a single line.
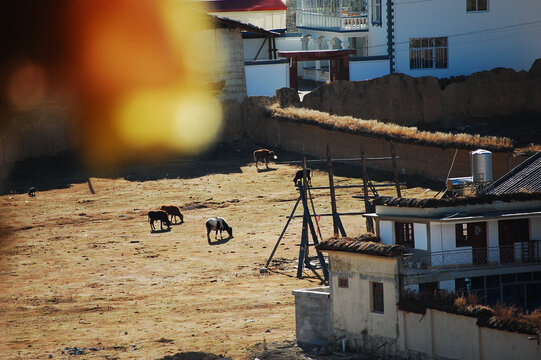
[[441, 41], [482, 5], [377, 297], [471, 5], [415, 43]]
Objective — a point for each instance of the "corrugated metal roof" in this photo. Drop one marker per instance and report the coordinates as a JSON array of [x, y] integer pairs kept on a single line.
[[526, 177], [361, 246]]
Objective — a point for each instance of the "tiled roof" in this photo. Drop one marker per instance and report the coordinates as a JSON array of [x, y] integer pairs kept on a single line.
[[526, 177], [448, 202], [361, 246], [231, 24], [244, 5]]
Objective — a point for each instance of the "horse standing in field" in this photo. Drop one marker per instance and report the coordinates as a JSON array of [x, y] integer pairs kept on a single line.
[[263, 155], [299, 176], [173, 211], [158, 215], [220, 224]]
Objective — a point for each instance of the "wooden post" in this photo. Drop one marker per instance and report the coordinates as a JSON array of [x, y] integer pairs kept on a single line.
[[345, 67], [293, 74], [367, 205], [303, 247], [331, 186], [90, 187], [395, 171], [283, 232]]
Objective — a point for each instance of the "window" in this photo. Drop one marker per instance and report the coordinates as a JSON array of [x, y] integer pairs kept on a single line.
[[462, 235], [428, 53], [377, 297], [376, 12], [343, 282], [476, 5], [404, 234]]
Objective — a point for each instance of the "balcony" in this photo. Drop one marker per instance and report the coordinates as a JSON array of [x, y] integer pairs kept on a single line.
[[519, 253], [332, 15]]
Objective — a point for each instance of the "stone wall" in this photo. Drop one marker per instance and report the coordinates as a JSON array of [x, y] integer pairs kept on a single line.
[[427, 101], [313, 317], [429, 162]]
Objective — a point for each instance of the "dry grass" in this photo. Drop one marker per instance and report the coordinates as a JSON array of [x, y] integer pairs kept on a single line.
[[390, 131], [500, 316]]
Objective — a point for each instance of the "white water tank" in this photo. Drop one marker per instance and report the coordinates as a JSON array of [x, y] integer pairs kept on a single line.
[[481, 166]]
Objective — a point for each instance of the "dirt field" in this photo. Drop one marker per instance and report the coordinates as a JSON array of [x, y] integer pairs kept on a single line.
[[84, 271]]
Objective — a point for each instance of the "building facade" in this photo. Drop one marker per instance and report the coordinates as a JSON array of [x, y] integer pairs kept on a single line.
[[437, 38]]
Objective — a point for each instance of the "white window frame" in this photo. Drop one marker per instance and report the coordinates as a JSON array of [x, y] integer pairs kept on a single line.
[[428, 52], [376, 12]]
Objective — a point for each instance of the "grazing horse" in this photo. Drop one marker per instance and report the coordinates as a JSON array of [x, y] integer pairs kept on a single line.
[[264, 155], [158, 215], [299, 176], [220, 224], [173, 211]]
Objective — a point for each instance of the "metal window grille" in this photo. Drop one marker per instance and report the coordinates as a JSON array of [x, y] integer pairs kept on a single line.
[[404, 234], [343, 282], [476, 5], [428, 53], [377, 297], [462, 235]]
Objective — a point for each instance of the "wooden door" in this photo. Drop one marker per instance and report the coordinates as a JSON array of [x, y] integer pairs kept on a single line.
[[477, 232]]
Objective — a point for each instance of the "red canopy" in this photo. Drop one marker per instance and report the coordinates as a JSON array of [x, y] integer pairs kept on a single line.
[[244, 5]]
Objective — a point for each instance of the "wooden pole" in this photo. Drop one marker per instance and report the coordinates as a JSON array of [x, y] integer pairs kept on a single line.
[[90, 187], [367, 205], [395, 171], [331, 187], [283, 232]]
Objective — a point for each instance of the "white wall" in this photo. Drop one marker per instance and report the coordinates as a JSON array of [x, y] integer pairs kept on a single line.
[[264, 80], [377, 35], [365, 70], [386, 232], [420, 235], [505, 36], [443, 238], [535, 224], [283, 43]]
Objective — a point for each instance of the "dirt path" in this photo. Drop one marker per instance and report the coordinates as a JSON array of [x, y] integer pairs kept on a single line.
[[83, 271]]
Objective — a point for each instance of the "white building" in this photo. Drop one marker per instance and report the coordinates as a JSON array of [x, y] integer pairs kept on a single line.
[[440, 38], [488, 245], [445, 38]]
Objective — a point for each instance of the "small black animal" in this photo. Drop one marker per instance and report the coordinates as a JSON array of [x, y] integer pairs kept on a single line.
[[299, 176], [32, 192], [158, 215], [220, 224]]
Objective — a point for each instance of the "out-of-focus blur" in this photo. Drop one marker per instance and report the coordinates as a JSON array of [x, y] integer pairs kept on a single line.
[[130, 77]]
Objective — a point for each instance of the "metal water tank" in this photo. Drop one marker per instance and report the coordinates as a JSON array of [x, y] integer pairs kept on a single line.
[[481, 166]]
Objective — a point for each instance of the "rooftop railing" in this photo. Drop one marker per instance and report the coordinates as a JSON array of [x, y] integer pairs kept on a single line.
[[344, 21], [519, 253]]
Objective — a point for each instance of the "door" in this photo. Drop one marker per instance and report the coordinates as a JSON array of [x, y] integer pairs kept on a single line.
[[509, 233], [477, 232], [506, 242]]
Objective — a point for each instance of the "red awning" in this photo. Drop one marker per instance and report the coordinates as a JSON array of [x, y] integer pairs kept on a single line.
[[244, 5]]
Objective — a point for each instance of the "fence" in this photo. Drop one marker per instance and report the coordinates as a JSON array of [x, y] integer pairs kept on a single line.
[[519, 253]]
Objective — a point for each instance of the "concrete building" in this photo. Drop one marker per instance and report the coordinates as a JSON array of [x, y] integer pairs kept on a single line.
[[488, 245]]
